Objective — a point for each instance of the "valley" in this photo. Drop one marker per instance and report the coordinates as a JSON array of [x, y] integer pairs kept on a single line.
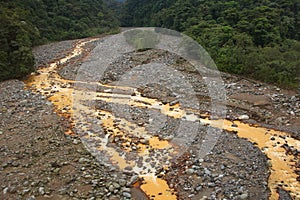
[[144, 135]]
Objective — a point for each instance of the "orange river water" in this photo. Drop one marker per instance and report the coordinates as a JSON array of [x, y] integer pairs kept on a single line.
[[61, 93]]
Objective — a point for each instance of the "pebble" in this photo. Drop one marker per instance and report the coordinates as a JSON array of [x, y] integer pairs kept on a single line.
[[134, 179], [174, 102], [15, 164], [116, 185], [211, 184], [5, 190], [76, 141], [122, 182], [126, 194], [31, 198], [243, 117], [111, 188], [83, 160], [25, 191], [56, 170], [198, 188], [234, 125], [42, 190], [189, 171], [206, 171], [144, 141], [243, 196]]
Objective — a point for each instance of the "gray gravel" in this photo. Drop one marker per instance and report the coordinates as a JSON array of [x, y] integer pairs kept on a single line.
[[38, 161]]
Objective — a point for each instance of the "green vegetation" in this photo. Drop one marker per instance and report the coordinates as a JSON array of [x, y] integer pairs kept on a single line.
[[33, 22], [257, 39], [16, 58]]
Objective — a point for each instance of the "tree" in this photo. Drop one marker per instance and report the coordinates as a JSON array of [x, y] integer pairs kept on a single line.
[[33, 22], [16, 59]]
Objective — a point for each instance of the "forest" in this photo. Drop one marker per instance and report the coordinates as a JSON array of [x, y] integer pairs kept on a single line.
[[255, 39], [25, 24]]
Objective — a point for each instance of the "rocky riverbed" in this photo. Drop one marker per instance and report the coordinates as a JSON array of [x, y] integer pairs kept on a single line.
[[40, 162]]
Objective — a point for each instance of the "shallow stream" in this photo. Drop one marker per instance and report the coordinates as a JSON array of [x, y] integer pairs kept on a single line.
[[61, 93]]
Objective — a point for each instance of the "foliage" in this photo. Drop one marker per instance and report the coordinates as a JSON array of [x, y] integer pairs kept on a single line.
[[258, 39], [33, 22], [16, 59]]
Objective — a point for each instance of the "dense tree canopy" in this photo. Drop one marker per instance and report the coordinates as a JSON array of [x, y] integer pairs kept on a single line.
[[255, 38], [32, 22], [16, 36]]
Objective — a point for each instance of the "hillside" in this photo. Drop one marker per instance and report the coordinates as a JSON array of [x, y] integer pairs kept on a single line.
[[29, 23], [257, 39], [254, 39]]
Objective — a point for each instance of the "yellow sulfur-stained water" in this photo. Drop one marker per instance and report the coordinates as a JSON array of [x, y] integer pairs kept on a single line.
[[270, 141], [60, 92], [157, 189]]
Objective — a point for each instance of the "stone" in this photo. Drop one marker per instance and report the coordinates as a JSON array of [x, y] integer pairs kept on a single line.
[[198, 188], [206, 171], [83, 160], [108, 90], [111, 188], [76, 141], [243, 117], [116, 185], [128, 168], [15, 164], [122, 182], [42, 190], [134, 179], [126, 189], [5, 190], [211, 184], [243, 196], [144, 141], [25, 191], [189, 171], [56, 170], [126, 194], [31, 198], [234, 125], [174, 102]]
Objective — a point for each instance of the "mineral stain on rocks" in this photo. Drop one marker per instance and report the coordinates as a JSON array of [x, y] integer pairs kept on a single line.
[[134, 138]]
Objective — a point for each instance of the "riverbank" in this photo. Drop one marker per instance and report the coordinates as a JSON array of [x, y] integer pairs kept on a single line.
[[38, 161], [239, 170]]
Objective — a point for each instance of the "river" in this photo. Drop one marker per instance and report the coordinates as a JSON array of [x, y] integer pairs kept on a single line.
[[60, 92]]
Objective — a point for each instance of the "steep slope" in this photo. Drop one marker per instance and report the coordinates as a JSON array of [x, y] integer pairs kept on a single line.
[[28, 23], [258, 39]]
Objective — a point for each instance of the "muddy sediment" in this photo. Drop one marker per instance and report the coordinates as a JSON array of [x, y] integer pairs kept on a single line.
[[234, 169], [38, 161]]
